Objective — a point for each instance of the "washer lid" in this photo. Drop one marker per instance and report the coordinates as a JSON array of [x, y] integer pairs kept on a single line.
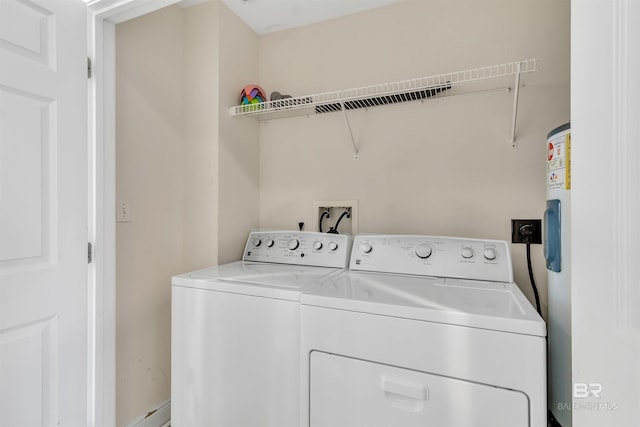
[[496, 306], [259, 279]]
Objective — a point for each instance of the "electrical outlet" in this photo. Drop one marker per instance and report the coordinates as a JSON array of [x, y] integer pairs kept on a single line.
[[531, 233], [330, 212], [123, 211]]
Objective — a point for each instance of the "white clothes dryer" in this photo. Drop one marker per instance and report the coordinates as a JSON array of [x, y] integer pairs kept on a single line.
[[422, 331], [235, 331]]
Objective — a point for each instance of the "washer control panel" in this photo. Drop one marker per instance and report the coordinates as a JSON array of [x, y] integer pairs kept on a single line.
[[462, 258], [299, 248]]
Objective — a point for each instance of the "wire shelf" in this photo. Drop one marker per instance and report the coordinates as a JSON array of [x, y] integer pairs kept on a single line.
[[448, 84]]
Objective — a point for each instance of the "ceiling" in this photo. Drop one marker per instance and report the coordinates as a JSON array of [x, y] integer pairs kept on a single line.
[[267, 16]]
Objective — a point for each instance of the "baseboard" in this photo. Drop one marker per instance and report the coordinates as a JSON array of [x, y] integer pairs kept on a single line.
[[158, 417]]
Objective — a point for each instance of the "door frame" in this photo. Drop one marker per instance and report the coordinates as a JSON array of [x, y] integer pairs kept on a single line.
[[102, 17]]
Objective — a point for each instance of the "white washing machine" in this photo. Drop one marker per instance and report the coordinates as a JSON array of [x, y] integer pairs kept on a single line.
[[235, 331], [422, 331]]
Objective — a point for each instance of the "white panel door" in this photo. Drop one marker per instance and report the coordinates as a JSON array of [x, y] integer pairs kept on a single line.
[[43, 213]]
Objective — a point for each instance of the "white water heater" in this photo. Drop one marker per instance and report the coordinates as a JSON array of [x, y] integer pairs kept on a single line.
[[557, 229]]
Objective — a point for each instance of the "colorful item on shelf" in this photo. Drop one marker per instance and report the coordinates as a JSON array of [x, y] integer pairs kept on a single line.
[[252, 94]]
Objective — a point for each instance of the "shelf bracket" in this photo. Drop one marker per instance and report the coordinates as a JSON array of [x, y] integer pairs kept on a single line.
[[516, 91], [353, 140]]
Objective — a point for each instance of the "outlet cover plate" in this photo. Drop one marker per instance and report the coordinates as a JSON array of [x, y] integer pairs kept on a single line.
[[123, 211]]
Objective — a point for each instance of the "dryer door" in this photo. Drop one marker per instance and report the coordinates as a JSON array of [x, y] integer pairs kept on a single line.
[[356, 393]]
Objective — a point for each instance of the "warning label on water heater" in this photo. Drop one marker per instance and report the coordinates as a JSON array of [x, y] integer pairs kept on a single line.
[[559, 161]]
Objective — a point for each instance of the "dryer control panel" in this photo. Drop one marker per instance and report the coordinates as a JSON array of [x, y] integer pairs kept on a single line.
[[299, 248], [435, 256]]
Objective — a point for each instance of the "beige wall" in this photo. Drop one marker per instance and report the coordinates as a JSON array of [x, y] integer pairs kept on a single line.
[[222, 177], [150, 175], [201, 129], [189, 173], [238, 149], [445, 167]]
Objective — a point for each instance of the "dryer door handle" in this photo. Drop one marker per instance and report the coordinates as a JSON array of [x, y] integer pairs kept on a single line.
[[413, 390]]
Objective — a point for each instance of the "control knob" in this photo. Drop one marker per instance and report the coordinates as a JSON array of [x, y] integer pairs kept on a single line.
[[423, 251], [333, 246], [293, 244], [467, 252], [257, 242], [317, 245], [270, 243], [366, 248], [490, 254]]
